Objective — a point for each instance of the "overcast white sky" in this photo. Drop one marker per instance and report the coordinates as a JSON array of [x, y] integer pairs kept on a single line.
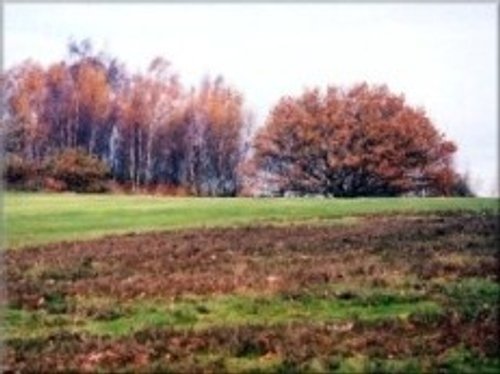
[[441, 56]]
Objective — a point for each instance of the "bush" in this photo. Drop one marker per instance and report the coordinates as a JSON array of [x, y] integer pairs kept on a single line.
[[16, 170], [79, 171], [22, 174], [462, 187], [54, 185]]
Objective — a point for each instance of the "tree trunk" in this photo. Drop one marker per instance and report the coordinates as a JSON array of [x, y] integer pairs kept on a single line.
[[92, 139], [76, 124], [149, 147], [140, 168], [132, 166]]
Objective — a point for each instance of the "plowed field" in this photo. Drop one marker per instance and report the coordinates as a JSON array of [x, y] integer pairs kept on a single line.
[[386, 293]]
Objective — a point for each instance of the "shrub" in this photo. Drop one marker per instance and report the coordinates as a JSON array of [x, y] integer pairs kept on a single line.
[[54, 185], [21, 174], [79, 171], [16, 170], [462, 186]]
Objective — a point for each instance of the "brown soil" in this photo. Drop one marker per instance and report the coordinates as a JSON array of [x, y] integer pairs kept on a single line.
[[381, 249], [294, 343], [378, 251]]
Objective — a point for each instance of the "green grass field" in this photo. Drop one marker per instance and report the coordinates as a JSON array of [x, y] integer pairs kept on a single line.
[[42, 218]]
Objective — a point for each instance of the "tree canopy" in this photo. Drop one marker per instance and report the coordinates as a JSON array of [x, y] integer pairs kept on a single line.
[[146, 127], [360, 141], [149, 129]]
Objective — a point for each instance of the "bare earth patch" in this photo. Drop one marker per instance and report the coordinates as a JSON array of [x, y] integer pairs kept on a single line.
[[404, 259]]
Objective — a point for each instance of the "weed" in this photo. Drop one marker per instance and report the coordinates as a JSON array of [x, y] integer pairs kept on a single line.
[[271, 299], [461, 360], [55, 302], [472, 296]]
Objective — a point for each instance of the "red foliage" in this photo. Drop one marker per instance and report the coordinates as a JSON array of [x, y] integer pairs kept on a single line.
[[78, 171], [361, 141], [151, 131]]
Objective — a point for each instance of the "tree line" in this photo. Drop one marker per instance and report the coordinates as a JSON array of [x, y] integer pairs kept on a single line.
[[86, 120]]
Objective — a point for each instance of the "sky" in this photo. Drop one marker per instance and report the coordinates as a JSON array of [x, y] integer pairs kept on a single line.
[[442, 57]]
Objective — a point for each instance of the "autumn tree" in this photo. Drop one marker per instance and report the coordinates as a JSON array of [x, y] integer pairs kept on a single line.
[[361, 141], [89, 98], [57, 105], [148, 107], [90, 102], [65, 105], [217, 124], [25, 93]]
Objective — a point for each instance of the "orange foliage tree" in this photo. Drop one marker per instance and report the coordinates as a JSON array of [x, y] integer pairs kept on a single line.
[[216, 128], [361, 141], [149, 130], [25, 87], [148, 108]]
